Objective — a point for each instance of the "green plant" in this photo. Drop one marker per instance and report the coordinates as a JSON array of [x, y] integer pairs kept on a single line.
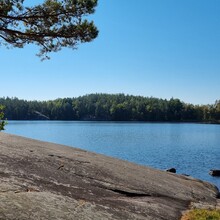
[[2, 122]]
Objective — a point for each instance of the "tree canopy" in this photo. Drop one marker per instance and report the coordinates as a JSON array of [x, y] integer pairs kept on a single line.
[[51, 25], [108, 107]]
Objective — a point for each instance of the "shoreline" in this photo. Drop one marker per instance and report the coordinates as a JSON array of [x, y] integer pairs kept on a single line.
[[67, 183], [131, 121], [184, 162]]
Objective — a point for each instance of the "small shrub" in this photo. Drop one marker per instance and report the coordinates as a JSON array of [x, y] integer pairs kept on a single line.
[[2, 122]]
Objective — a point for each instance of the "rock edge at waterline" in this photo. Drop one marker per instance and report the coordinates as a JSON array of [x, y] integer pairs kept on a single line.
[[40, 180]]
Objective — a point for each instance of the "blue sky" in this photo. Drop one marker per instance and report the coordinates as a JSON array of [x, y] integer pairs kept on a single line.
[[159, 48]]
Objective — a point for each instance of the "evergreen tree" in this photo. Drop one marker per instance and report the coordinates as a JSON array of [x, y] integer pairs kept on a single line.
[[51, 25]]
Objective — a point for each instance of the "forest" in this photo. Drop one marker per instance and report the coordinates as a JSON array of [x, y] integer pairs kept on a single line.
[[109, 107]]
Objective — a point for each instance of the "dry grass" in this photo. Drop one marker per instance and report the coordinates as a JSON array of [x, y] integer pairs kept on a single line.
[[202, 214]]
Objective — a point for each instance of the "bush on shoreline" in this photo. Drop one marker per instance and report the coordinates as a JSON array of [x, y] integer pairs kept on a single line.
[[2, 122]]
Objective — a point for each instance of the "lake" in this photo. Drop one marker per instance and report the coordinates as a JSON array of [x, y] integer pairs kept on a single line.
[[192, 149]]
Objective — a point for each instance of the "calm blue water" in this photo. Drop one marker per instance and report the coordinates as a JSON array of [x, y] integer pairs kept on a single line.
[[192, 149]]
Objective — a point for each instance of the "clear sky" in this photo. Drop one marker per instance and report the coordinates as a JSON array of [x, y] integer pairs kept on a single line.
[[159, 48]]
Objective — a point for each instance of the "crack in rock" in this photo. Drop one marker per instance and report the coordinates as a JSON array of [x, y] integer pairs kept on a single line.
[[129, 194]]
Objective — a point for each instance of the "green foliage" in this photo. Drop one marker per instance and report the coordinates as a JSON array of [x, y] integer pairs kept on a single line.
[[107, 107], [2, 122], [52, 25], [203, 214]]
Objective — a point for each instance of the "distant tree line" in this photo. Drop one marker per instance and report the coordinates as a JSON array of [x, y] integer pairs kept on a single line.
[[108, 107]]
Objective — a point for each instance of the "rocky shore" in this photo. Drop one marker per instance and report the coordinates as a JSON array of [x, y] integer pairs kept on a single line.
[[40, 180]]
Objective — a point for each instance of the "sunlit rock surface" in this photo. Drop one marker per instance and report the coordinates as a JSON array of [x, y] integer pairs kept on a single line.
[[40, 180]]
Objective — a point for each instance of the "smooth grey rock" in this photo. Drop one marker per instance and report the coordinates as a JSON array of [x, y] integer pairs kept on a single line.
[[40, 180]]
